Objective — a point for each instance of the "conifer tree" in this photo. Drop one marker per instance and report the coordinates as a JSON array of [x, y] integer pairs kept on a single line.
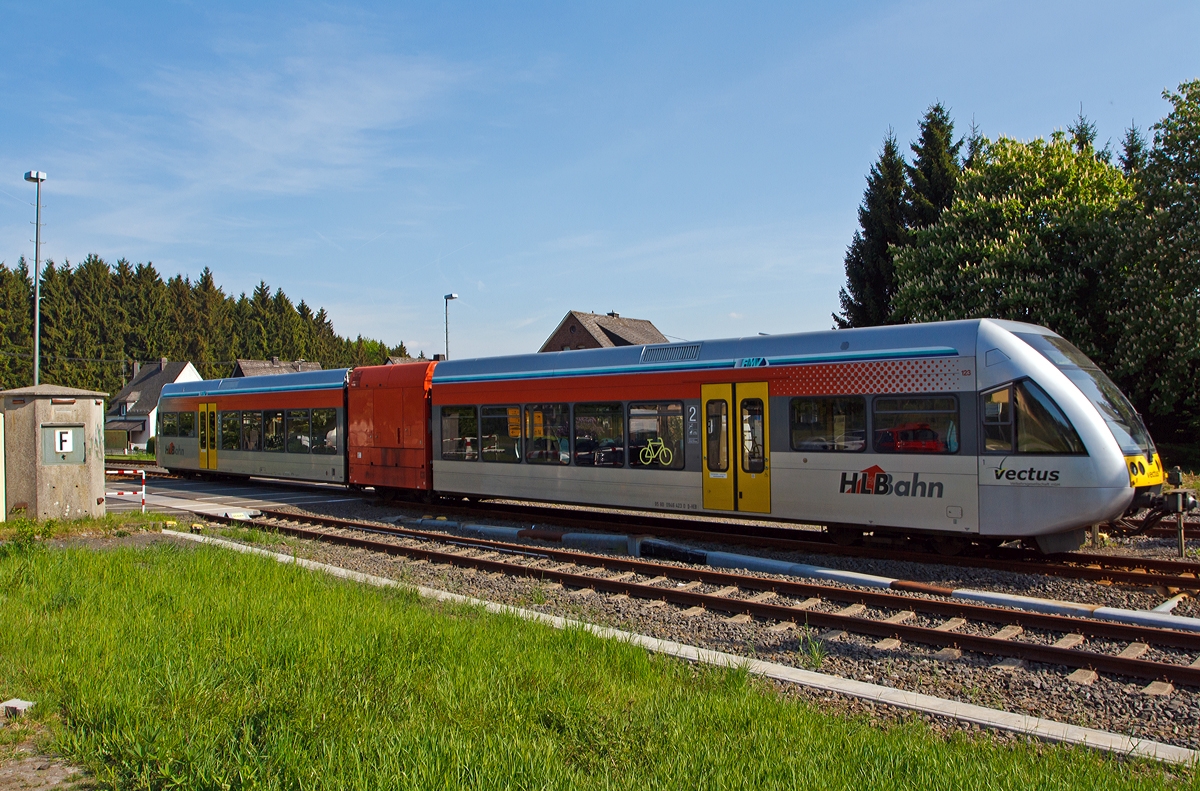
[[97, 320], [1133, 152], [16, 325], [934, 172], [870, 275]]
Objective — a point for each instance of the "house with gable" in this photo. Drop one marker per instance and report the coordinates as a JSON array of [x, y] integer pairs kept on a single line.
[[579, 330], [132, 416]]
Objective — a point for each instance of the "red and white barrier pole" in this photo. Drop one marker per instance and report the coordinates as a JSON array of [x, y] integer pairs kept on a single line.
[[129, 472]]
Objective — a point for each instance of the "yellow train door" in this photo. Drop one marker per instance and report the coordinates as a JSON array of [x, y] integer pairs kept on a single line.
[[736, 465], [208, 436], [718, 470], [753, 447]]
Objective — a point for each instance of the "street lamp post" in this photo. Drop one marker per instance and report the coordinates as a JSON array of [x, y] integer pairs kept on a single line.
[[37, 177], [448, 297]]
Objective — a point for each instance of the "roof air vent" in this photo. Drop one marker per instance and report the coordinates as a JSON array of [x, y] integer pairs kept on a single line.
[[670, 354]]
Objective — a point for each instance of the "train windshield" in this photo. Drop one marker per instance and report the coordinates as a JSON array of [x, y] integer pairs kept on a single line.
[[1118, 413]]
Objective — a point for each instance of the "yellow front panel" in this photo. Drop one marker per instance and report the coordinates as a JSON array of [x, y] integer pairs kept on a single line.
[[1144, 473], [753, 447], [719, 471]]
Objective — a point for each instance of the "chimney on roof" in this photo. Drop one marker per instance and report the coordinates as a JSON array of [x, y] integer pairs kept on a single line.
[[162, 363], [298, 364], [614, 314], [136, 367], [275, 361]]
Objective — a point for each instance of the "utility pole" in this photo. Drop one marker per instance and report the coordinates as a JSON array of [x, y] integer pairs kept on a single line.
[[448, 297], [37, 177]]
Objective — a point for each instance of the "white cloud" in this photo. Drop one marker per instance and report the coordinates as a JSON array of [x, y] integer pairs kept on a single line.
[[325, 115]]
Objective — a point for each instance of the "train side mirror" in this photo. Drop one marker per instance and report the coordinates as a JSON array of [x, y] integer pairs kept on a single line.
[[1175, 476]]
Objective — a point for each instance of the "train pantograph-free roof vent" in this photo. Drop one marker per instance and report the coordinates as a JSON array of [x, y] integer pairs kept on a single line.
[[670, 354]]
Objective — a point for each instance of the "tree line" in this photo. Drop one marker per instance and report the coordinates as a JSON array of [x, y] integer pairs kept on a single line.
[[1102, 248], [97, 319]]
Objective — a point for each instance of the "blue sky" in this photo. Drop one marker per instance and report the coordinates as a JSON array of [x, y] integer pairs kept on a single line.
[[698, 165]]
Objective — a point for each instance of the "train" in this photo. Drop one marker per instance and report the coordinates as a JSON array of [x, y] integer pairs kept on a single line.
[[981, 431]]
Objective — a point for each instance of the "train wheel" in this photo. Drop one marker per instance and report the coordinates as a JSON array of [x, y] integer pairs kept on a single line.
[[949, 546], [843, 536]]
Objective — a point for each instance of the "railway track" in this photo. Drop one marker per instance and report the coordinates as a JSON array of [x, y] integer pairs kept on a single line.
[[1147, 572], [1026, 636]]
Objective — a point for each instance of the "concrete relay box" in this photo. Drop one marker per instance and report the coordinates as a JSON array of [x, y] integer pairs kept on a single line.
[[54, 451]]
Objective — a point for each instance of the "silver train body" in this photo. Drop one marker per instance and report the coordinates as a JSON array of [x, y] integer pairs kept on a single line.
[[1031, 440]]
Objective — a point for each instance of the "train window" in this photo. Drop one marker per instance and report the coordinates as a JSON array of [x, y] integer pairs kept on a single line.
[[997, 421], [460, 433], [231, 430], [324, 431], [829, 424], [168, 424], [916, 424], [656, 435], [548, 434], [1022, 418], [273, 431], [187, 424], [252, 431], [754, 455], [716, 435], [1122, 419], [600, 435], [203, 432], [299, 435], [500, 433]]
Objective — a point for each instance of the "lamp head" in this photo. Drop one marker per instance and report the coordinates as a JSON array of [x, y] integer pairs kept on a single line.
[[449, 297], [35, 176]]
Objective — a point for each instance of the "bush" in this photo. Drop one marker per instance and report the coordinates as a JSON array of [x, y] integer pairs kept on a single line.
[[150, 445]]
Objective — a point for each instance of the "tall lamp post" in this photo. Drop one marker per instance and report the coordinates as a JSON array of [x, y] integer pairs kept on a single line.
[[37, 177], [448, 297]]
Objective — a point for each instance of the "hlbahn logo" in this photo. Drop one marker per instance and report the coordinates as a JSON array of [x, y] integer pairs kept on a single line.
[[874, 480]]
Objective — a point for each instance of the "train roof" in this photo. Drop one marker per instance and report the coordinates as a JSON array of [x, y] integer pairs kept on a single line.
[[275, 383], [936, 339]]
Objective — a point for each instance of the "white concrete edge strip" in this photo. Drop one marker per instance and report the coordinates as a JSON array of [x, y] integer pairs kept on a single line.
[[1049, 730]]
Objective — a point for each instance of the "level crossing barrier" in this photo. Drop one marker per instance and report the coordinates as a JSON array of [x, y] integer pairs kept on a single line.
[[129, 472]]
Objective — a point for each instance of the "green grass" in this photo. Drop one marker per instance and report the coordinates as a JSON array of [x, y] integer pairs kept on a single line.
[[204, 669], [24, 530], [122, 458]]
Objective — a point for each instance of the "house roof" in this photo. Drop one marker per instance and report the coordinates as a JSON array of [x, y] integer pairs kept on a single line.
[[125, 425], [141, 395], [272, 366], [611, 330], [50, 391]]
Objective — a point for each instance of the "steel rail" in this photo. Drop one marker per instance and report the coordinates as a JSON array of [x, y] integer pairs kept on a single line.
[[1108, 568], [1167, 638], [993, 646], [1086, 566], [1137, 668]]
